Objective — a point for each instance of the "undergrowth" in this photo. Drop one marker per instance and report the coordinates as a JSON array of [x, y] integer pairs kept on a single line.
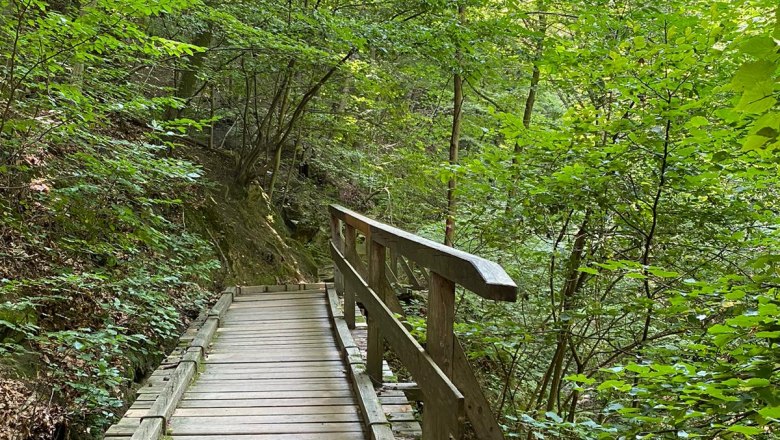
[[98, 273]]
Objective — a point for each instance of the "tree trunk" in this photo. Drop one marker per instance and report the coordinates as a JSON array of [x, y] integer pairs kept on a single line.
[[573, 283], [530, 99], [457, 110], [247, 162], [186, 85]]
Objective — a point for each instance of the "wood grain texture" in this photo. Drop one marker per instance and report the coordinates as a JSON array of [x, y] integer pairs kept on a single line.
[[481, 276], [271, 369], [274, 371]]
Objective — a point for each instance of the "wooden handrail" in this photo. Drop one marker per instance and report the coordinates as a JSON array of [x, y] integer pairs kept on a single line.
[[483, 277], [441, 369]]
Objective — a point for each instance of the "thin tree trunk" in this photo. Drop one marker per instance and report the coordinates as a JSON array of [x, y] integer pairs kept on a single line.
[[573, 283], [213, 104], [449, 230], [530, 99]]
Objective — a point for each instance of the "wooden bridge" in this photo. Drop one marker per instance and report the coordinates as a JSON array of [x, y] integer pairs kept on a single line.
[[282, 362]]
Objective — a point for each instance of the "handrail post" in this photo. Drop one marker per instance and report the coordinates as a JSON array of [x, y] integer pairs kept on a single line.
[[440, 322], [440, 345], [376, 273], [349, 294], [335, 234]]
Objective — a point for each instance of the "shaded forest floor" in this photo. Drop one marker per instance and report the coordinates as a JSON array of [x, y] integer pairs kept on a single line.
[[104, 265]]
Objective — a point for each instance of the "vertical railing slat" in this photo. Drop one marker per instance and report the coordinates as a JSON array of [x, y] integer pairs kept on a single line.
[[376, 274], [440, 344], [349, 293]]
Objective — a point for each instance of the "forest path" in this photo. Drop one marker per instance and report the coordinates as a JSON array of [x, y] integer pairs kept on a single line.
[[272, 366]]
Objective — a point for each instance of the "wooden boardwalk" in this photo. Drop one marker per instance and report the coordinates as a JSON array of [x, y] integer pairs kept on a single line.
[[281, 362], [275, 367]]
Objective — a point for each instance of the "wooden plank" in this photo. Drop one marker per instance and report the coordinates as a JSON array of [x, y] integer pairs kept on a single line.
[[301, 309], [276, 325], [228, 379], [351, 417], [260, 404], [225, 423], [393, 400], [245, 290], [247, 387], [263, 402], [262, 357], [276, 380], [270, 428], [276, 306], [249, 395], [294, 289], [290, 373], [274, 375], [227, 333], [250, 319], [265, 349], [301, 302], [305, 344], [329, 365], [275, 339], [263, 411], [296, 436], [286, 296], [275, 314], [390, 274], [402, 416], [162, 406], [171, 393], [165, 372], [338, 241]]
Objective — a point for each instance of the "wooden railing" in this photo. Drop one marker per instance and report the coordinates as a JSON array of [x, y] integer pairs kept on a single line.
[[450, 390]]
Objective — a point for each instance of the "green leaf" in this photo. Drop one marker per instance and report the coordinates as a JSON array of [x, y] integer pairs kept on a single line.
[[747, 430], [553, 416], [771, 412], [757, 382], [760, 46], [615, 384], [697, 121], [580, 378], [662, 273], [752, 73], [719, 329], [758, 99], [737, 294], [589, 270]]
